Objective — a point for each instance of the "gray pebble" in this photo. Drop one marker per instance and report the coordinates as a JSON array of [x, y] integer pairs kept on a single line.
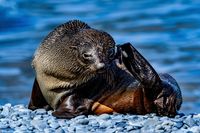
[[59, 130], [38, 117], [39, 124], [3, 125], [40, 111], [54, 125], [120, 124], [195, 129], [105, 124], [167, 123], [94, 123], [6, 110], [82, 121], [49, 130], [71, 129], [104, 117], [190, 122], [111, 130], [14, 124], [178, 124], [129, 128], [62, 122]]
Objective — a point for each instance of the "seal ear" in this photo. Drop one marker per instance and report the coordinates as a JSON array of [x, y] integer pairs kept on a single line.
[[37, 99], [140, 68]]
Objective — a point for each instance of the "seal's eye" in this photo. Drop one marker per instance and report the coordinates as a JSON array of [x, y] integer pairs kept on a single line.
[[111, 53]]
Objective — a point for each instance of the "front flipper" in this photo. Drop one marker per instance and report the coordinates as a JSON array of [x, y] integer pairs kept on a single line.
[[37, 99], [140, 68], [162, 89], [72, 106]]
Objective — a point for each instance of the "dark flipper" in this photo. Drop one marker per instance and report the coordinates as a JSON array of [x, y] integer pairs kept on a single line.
[[37, 100], [139, 67], [162, 89], [72, 106]]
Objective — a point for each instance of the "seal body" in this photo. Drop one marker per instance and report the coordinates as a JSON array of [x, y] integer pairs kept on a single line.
[[79, 71]]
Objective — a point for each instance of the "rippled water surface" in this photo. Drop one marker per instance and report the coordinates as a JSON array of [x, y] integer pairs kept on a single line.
[[167, 33]]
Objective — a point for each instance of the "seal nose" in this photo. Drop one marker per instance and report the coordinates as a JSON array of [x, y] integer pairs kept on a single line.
[[87, 56]]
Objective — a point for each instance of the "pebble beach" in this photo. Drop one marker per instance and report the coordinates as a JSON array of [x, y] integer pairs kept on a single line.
[[19, 119]]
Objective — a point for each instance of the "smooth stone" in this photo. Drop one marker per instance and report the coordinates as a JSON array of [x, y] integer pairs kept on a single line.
[[14, 124], [26, 117], [59, 130], [159, 127], [195, 129], [136, 125], [39, 124], [175, 128], [3, 125], [151, 123], [120, 124], [6, 111], [105, 124], [164, 118], [49, 130], [119, 129], [49, 112], [104, 117], [196, 116], [144, 130], [182, 131], [71, 129], [82, 121], [38, 117], [168, 123], [30, 128], [54, 125], [178, 124], [9, 105], [23, 128], [185, 126], [40, 111], [189, 121], [110, 130], [94, 123], [19, 106], [62, 122], [81, 129], [23, 111], [129, 128]]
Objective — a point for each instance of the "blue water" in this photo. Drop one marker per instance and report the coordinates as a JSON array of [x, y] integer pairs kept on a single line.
[[167, 33]]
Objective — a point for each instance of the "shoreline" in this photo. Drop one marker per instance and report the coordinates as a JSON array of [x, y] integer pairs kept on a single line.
[[19, 118]]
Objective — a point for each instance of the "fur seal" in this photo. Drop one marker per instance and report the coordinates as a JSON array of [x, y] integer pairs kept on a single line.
[[80, 70]]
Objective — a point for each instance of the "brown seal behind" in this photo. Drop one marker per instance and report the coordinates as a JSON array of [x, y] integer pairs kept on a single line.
[[79, 71]]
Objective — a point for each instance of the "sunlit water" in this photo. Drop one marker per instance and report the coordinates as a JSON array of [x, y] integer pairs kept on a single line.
[[167, 33]]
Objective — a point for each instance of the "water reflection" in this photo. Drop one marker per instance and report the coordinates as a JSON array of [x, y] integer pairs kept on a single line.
[[167, 33]]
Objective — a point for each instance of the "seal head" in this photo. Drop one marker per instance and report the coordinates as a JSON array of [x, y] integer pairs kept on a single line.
[[72, 54]]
